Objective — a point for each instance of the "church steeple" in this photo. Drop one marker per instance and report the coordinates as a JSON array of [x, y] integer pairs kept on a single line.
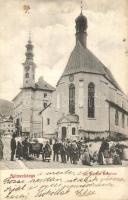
[[29, 66], [81, 28], [29, 53]]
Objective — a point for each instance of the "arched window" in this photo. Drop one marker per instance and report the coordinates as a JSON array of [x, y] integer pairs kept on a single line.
[[91, 100], [116, 118], [71, 99], [73, 131], [27, 75]]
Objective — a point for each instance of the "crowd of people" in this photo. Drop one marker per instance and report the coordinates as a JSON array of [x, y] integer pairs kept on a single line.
[[69, 151], [75, 151], [23, 149]]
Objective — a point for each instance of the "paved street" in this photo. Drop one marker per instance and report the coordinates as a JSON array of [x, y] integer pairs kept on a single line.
[[36, 163]]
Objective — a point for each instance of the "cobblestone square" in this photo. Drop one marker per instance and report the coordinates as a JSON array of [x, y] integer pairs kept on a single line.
[[37, 163]]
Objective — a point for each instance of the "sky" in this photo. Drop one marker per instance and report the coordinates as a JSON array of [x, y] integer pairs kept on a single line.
[[52, 24]]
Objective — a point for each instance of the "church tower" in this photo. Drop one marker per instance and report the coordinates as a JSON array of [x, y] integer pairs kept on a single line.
[[29, 67], [81, 29]]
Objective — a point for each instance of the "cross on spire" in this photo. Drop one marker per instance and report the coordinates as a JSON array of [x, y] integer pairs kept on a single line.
[[29, 36], [81, 6]]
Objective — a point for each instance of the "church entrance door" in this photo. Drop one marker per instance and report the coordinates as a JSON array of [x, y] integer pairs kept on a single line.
[[64, 133]]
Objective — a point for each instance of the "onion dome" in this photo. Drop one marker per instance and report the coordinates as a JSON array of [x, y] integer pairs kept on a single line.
[[81, 23], [29, 52]]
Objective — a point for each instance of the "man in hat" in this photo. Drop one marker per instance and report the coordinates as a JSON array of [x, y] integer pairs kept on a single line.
[[13, 147], [56, 151], [25, 148]]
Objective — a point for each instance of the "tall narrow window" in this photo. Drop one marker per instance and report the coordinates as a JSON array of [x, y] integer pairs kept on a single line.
[[71, 99], [73, 131], [48, 121], [81, 93], [91, 100], [123, 120], [116, 117]]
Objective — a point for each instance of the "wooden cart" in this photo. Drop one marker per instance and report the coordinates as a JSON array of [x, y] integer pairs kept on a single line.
[[35, 148]]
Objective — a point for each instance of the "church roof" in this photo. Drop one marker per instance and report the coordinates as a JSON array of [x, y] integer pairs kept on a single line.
[[40, 85], [43, 85], [83, 60]]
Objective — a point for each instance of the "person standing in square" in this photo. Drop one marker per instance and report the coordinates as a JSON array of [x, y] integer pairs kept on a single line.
[[13, 147]]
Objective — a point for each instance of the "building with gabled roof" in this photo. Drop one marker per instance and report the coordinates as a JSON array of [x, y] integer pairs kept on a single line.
[[6, 125], [32, 97], [88, 102]]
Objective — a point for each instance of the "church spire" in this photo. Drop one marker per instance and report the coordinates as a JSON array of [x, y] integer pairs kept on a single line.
[[30, 35], [81, 27], [29, 50], [81, 7], [29, 65]]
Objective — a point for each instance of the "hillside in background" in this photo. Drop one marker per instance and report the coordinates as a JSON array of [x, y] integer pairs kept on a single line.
[[6, 107]]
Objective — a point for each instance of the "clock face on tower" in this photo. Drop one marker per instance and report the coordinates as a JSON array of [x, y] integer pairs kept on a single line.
[[71, 78], [27, 68]]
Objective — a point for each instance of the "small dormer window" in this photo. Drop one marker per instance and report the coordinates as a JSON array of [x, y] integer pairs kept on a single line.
[[45, 85]]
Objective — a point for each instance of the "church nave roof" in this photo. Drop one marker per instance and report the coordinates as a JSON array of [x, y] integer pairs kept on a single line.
[[83, 60]]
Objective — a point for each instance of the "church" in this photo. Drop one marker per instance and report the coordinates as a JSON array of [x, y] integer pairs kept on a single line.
[[87, 102], [32, 97]]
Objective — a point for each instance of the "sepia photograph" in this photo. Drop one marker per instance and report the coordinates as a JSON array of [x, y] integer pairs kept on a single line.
[[63, 84]]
